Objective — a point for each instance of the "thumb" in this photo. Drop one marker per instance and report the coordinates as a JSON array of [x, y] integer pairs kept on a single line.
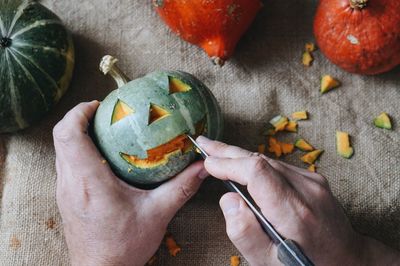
[[245, 232], [171, 196]]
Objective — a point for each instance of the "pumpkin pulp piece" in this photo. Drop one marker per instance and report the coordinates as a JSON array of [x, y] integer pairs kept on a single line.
[[275, 147], [343, 144], [312, 168], [287, 148], [121, 110], [383, 121], [172, 246], [310, 47], [301, 115], [235, 261], [279, 122], [261, 148], [328, 83], [291, 126], [303, 145], [307, 58], [311, 157]]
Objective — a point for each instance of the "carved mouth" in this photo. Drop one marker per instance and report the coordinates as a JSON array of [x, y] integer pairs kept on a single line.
[[160, 155]]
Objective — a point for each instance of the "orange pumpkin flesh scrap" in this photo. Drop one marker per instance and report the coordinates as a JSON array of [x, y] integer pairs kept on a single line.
[[343, 146], [303, 145], [291, 126], [215, 26], [328, 83], [172, 246], [301, 115], [275, 147], [383, 121], [307, 58], [310, 47], [235, 261], [279, 122], [261, 148], [311, 157], [287, 148], [312, 168], [121, 110]]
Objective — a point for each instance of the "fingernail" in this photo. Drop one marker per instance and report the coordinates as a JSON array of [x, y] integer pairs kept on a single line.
[[203, 174], [202, 140], [230, 206]]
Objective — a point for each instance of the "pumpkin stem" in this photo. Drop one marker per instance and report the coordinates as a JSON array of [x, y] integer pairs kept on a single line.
[[358, 4], [5, 42], [108, 66]]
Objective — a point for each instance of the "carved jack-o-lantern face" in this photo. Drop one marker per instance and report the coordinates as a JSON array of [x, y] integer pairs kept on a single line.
[[141, 127]]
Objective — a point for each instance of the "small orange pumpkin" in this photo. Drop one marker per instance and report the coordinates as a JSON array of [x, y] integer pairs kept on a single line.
[[215, 26], [360, 36]]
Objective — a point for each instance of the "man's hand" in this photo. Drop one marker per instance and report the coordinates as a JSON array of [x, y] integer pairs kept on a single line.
[[107, 222], [298, 203]]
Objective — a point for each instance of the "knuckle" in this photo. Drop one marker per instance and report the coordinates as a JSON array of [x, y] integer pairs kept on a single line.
[[62, 134], [220, 146], [320, 191], [239, 230], [305, 213], [185, 193], [258, 165]]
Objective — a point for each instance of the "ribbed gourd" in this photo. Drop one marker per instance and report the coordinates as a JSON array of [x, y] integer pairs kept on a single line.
[[36, 62], [141, 128]]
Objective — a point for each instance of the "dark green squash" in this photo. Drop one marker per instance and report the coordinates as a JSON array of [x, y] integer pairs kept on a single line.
[[36, 62], [140, 127]]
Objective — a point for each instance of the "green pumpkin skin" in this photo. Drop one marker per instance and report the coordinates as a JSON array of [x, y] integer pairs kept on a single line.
[[36, 63], [132, 135]]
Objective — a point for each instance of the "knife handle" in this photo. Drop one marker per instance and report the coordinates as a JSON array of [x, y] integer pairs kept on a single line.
[[286, 257]]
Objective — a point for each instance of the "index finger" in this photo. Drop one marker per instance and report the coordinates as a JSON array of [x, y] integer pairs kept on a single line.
[[220, 149]]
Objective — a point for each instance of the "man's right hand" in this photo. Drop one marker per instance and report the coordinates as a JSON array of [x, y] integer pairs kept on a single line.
[[298, 203]]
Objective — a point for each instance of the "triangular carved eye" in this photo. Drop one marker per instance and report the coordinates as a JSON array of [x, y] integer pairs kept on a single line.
[[156, 113], [121, 110], [177, 86]]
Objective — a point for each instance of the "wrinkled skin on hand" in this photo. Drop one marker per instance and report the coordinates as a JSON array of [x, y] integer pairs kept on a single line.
[[298, 203], [106, 221]]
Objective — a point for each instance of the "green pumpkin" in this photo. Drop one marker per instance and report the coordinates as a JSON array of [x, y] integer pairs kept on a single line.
[[141, 127], [36, 62]]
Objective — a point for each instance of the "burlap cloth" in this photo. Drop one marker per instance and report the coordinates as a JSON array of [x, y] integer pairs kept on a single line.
[[264, 78]]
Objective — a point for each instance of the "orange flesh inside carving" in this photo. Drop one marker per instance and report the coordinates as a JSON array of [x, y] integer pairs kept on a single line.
[[157, 113], [176, 86], [121, 111], [161, 154]]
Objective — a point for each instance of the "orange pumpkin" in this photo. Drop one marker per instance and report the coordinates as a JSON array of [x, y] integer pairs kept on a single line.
[[360, 36], [215, 26]]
